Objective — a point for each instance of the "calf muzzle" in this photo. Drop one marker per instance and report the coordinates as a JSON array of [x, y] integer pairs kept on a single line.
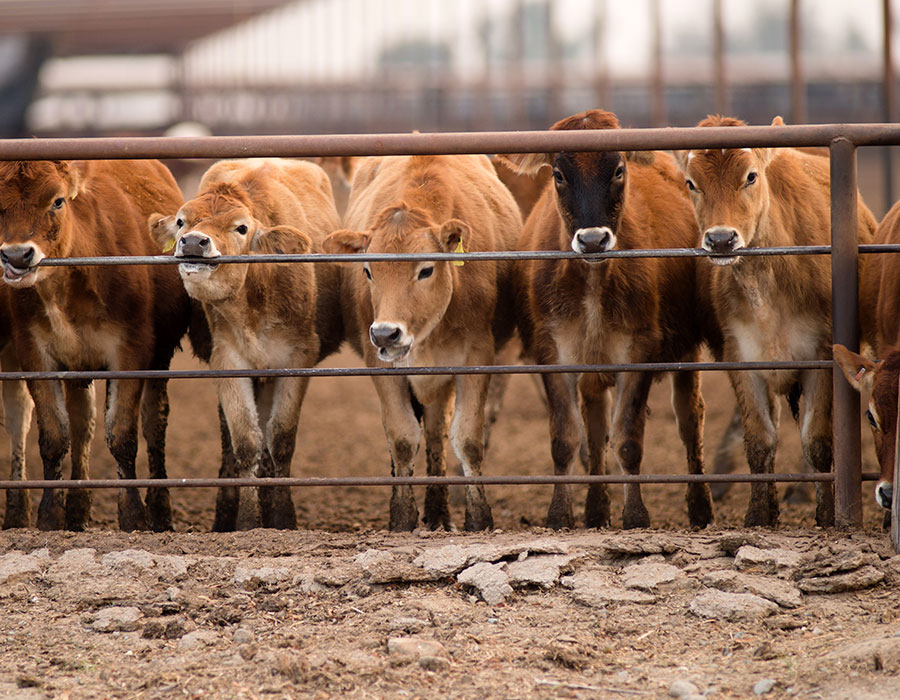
[[193, 245], [884, 494], [721, 240], [20, 263], [391, 339], [596, 239]]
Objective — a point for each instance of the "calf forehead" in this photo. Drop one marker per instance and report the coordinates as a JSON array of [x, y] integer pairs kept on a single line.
[[720, 164], [402, 230], [213, 210], [589, 165], [27, 184]]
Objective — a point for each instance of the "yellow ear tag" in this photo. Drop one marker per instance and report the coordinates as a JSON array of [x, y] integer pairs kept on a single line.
[[169, 245], [460, 249]]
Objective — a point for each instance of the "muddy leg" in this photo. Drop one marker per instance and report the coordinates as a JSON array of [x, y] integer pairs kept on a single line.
[[227, 496], [437, 421], [689, 413], [82, 410], [53, 440], [595, 408], [281, 433], [628, 440], [18, 407], [154, 420], [565, 441], [816, 436], [467, 438], [237, 398], [122, 406]]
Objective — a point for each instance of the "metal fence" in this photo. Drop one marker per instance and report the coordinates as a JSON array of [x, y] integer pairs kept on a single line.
[[842, 141]]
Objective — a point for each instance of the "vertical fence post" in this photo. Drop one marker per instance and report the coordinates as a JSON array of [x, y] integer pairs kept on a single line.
[[845, 310], [895, 503]]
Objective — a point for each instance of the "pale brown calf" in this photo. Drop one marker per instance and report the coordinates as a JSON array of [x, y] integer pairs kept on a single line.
[[409, 314], [261, 316], [771, 307], [92, 318], [612, 311]]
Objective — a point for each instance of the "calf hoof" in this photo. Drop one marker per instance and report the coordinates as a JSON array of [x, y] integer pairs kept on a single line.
[[824, 505], [635, 517], [159, 509], [596, 507], [18, 509], [404, 516], [761, 517], [248, 515], [277, 508], [437, 508], [226, 509], [699, 505], [78, 510], [132, 515], [478, 517], [560, 517], [52, 511]]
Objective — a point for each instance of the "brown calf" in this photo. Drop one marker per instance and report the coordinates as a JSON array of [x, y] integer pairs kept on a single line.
[[612, 311], [92, 318], [771, 307], [262, 316], [429, 313], [879, 292]]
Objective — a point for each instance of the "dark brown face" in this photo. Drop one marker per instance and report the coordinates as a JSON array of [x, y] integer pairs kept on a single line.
[[882, 415], [34, 201], [590, 195]]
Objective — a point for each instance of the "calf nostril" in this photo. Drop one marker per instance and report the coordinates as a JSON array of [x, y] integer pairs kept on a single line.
[[204, 242]]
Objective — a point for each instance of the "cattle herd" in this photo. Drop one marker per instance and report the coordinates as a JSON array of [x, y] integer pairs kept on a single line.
[[587, 310]]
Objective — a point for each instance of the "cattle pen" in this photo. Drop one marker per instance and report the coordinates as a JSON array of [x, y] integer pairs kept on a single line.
[[842, 140]]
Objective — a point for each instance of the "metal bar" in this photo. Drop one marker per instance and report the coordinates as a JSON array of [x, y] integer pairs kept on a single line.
[[895, 502], [450, 142], [421, 480], [80, 375], [845, 310]]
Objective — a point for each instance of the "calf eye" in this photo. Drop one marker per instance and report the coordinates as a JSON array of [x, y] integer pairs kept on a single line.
[[751, 177], [426, 272], [690, 185], [368, 274], [620, 172], [872, 421], [58, 202], [558, 176], [242, 229], [179, 223]]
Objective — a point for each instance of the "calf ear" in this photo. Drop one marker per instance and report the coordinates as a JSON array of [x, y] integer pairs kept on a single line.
[[859, 371], [280, 239], [162, 231], [524, 163], [681, 157], [346, 242], [454, 236], [73, 175], [640, 157]]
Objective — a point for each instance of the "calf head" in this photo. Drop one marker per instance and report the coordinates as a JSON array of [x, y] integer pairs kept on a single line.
[[590, 187], [220, 222], [728, 190], [879, 380], [35, 221], [408, 299]]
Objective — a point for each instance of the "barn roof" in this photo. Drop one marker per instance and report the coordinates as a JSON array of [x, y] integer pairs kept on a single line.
[[96, 27]]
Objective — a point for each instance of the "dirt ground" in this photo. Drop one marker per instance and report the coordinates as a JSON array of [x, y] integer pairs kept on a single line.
[[343, 608]]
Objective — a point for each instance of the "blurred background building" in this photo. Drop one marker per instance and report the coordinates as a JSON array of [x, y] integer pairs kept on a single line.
[[99, 67]]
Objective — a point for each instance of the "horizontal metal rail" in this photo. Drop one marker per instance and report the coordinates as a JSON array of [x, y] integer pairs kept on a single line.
[[423, 480], [449, 143], [420, 371]]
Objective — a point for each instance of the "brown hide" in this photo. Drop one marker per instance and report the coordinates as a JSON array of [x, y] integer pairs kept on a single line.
[[612, 311], [429, 313], [526, 189], [92, 317], [261, 316], [771, 307]]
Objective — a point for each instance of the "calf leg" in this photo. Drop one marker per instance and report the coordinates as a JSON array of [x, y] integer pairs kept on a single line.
[[236, 396], [565, 442], [437, 420], [816, 436], [227, 496], [758, 415], [689, 413], [595, 408], [18, 406], [729, 452], [628, 440], [154, 419], [467, 438], [82, 410], [122, 405], [281, 438], [403, 434], [53, 441]]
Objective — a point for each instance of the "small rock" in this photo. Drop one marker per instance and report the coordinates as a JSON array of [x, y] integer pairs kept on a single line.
[[649, 575], [171, 567], [763, 686], [731, 606], [372, 557], [73, 565], [135, 559], [443, 561], [542, 570], [243, 636], [681, 688], [116, 619], [881, 655], [15, 565], [770, 561], [263, 576], [777, 590], [434, 663], [490, 580], [197, 638], [409, 624], [408, 649], [594, 588], [866, 577]]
